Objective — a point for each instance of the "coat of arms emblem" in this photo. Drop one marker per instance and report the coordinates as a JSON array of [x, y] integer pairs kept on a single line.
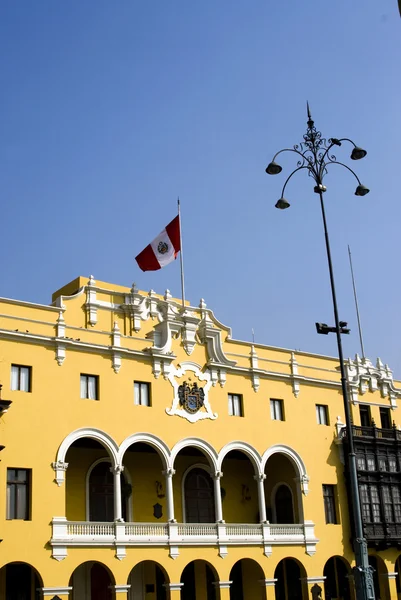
[[162, 248], [191, 398]]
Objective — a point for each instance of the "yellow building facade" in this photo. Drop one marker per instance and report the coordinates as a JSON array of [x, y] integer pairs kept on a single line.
[[148, 455]]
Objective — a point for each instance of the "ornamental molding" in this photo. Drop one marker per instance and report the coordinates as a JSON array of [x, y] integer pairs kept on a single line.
[[362, 377], [203, 411], [211, 336]]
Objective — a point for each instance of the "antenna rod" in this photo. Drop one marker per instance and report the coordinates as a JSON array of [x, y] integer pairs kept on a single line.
[[356, 304]]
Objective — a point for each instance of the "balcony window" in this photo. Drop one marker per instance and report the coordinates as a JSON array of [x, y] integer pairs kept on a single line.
[[21, 378], [141, 393], [235, 405], [371, 463], [385, 418], [276, 410], [90, 387], [392, 464], [395, 490], [364, 414], [361, 462], [18, 493], [322, 414]]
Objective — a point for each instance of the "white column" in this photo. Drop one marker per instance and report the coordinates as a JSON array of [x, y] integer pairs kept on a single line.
[[261, 496], [168, 473], [117, 491], [217, 497]]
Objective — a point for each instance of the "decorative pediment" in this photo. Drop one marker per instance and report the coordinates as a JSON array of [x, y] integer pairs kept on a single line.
[[363, 376]]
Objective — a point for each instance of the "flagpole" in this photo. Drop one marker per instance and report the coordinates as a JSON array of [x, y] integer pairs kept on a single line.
[[181, 258], [356, 304]]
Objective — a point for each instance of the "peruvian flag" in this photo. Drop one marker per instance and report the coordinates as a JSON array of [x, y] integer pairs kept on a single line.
[[163, 250]]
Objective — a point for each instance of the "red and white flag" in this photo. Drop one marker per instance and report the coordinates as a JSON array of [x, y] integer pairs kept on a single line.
[[163, 250]]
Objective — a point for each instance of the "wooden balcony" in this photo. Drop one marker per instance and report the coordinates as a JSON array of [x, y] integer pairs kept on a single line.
[[172, 536]]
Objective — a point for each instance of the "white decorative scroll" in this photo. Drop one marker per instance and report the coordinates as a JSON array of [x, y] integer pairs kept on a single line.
[[203, 413]]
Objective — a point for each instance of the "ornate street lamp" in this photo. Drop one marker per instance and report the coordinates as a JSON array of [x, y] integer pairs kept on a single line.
[[315, 157]]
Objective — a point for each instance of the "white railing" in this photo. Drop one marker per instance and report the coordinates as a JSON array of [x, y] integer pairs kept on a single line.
[[244, 530], [148, 530], [172, 535], [92, 529], [289, 530], [197, 529]]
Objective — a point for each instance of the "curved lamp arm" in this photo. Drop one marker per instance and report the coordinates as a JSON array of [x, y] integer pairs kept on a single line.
[[289, 177], [290, 150], [336, 162], [336, 144]]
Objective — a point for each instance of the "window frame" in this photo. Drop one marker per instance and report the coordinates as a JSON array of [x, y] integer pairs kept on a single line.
[[19, 367], [235, 405], [364, 410], [330, 503], [322, 408], [274, 404], [13, 511], [385, 415], [138, 385], [88, 377]]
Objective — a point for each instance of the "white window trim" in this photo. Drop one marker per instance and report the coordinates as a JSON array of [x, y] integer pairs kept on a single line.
[[326, 414], [280, 404]]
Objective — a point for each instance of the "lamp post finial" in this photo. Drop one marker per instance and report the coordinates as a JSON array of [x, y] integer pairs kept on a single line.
[[310, 120]]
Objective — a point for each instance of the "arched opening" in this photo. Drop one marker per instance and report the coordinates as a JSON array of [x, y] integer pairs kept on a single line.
[[282, 490], [283, 505], [380, 578], [240, 488], [199, 497], [81, 456], [198, 578], [246, 576], [20, 581], [101, 493], [143, 466], [291, 580], [147, 580], [92, 581], [337, 579]]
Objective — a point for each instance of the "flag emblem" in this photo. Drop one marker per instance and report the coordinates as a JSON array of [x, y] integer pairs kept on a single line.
[[162, 248]]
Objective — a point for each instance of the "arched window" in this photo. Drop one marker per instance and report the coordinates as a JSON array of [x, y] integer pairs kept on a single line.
[[283, 505], [199, 497], [101, 493]]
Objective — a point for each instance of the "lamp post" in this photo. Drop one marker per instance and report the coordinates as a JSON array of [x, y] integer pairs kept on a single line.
[[314, 156]]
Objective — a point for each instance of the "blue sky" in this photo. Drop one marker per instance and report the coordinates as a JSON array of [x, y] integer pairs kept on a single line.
[[111, 109]]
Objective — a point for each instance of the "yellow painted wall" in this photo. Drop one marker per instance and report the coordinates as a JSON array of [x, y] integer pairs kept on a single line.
[[38, 422]]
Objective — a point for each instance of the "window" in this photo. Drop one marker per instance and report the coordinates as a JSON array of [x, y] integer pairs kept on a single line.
[[361, 462], [141, 393], [235, 405], [330, 503], [21, 378], [90, 387], [370, 501], [375, 499], [276, 410], [322, 414], [18, 493], [385, 418], [364, 413], [370, 459]]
